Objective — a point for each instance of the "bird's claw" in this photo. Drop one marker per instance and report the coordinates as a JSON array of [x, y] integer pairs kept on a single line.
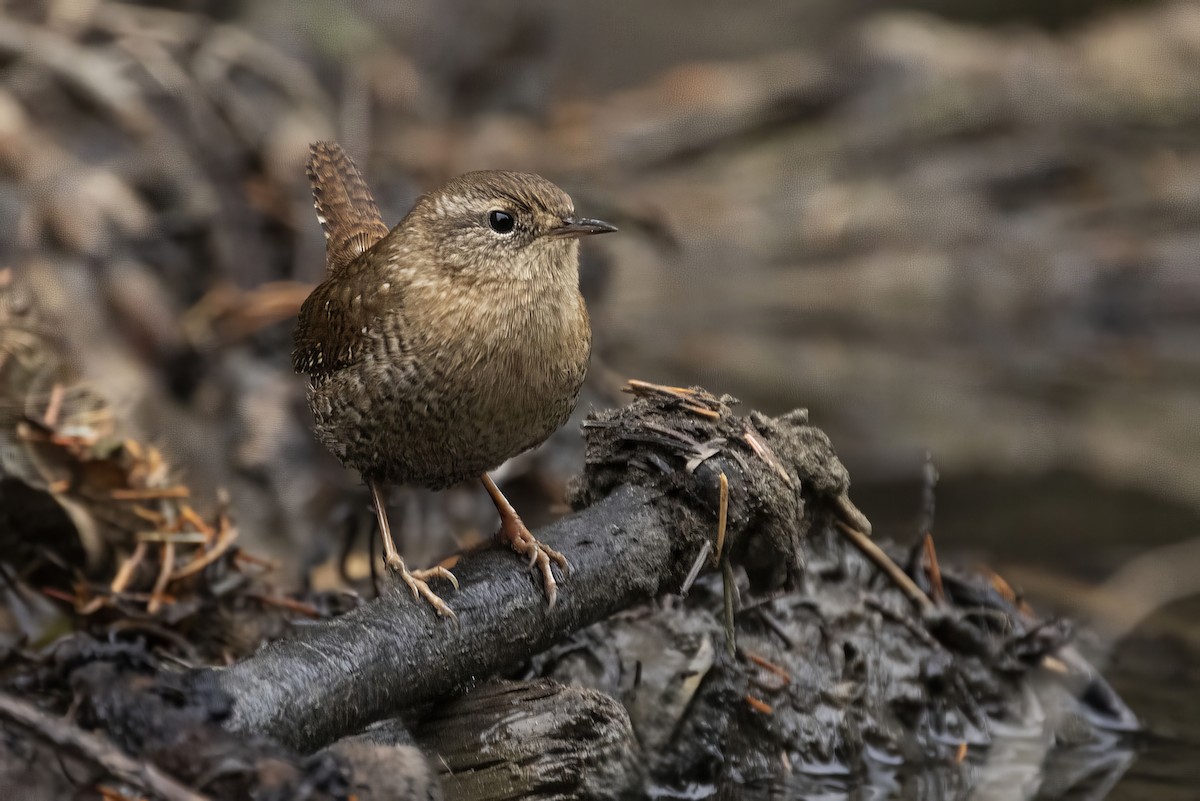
[[436, 572], [416, 581], [540, 557]]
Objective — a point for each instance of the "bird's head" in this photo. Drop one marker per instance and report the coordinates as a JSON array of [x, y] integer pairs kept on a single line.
[[503, 226]]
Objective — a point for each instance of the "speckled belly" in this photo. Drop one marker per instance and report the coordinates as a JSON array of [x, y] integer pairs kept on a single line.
[[443, 425]]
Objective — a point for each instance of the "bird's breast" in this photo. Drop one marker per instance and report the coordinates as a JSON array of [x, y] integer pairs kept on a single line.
[[509, 353], [536, 350], [458, 392]]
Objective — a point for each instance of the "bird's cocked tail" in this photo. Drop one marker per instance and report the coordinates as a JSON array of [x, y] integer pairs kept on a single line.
[[345, 208]]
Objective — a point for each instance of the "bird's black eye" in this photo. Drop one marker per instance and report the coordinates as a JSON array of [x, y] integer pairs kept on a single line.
[[501, 221]]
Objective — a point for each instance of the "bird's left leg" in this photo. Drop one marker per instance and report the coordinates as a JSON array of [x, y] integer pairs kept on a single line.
[[417, 580], [514, 532]]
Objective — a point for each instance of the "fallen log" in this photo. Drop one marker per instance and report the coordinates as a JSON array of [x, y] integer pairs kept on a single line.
[[334, 677]]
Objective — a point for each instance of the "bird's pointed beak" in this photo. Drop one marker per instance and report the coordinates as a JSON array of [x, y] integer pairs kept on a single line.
[[581, 226]]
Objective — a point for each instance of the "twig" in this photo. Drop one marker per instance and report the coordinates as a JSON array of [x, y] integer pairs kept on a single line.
[[764, 452], [885, 563], [149, 493], [189, 515], [769, 666], [672, 434], [638, 387], [149, 515], [700, 410], [722, 519], [60, 595], [729, 587], [230, 314], [691, 398], [1005, 590], [758, 705], [697, 566], [851, 514], [227, 537], [934, 570], [929, 480], [260, 561], [164, 576], [94, 750], [121, 580], [775, 626], [54, 406], [176, 537], [289, 604], [907, 622], [1055, 665]]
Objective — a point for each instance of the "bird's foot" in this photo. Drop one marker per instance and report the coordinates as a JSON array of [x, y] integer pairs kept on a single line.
[[514, 532], [417, 581], [435, 572]]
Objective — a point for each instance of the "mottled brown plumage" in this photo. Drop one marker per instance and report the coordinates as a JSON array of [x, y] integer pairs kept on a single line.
[[440, 349], [345, 208]]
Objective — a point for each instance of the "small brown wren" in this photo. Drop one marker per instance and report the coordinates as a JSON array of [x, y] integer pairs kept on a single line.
[[449, 344]]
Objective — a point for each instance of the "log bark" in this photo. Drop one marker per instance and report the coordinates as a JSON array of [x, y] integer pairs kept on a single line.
[[538, 740]]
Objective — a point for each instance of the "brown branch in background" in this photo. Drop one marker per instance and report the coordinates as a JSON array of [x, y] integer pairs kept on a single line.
[[175, 537], [225, 539], [121, 496], [54, 406], [125, 572], [120, 580], [189, 515], [228, 314], [150, 493], [289, 604], [164, 576], [94, 750]]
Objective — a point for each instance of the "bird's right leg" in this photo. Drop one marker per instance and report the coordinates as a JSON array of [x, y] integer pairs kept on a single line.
[[416, 579]]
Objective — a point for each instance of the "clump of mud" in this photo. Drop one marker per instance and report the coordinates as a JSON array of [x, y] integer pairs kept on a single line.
[[781, 475], [851, 656]]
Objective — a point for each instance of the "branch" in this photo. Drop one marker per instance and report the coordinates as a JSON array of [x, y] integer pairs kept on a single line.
[[336, 676], [94, 750]]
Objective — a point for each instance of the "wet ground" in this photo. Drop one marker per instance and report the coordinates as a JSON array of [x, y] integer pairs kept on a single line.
[[1056, 537]]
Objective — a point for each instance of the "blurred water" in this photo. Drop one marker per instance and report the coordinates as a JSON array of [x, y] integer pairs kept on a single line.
[[1059, 535]]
